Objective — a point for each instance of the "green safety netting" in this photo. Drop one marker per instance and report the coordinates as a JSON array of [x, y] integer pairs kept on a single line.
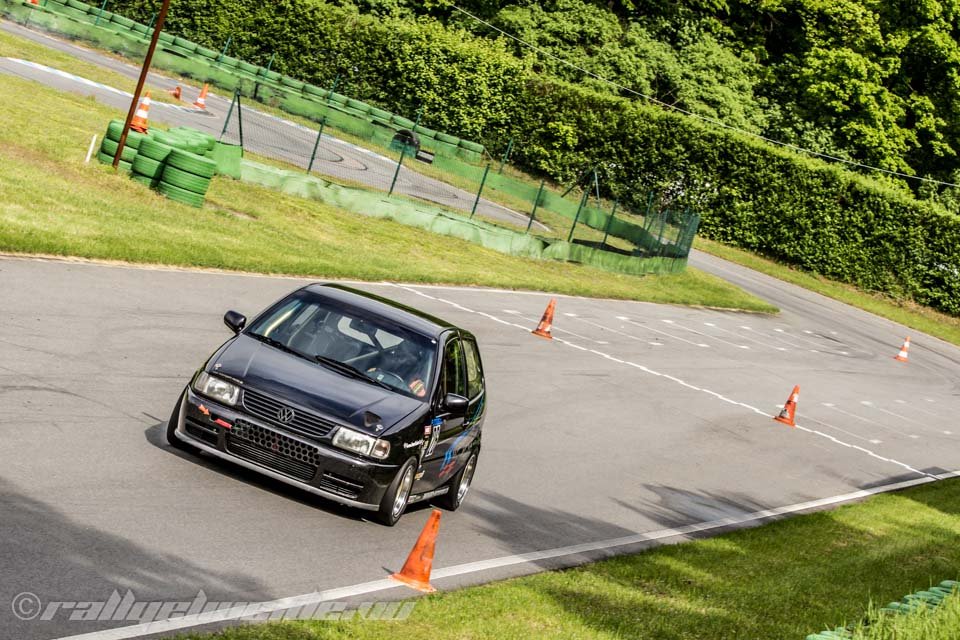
[[445, 223]]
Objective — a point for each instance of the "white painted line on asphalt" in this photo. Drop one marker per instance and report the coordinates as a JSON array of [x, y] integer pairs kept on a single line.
[[831, 405], [746, 328], [554, 327], [700, 333], [750, 338], [308, 600], [836, 428], [669, 335], [782, 333], [918, 408], [868, 403], [727, 400], [807, 340], [618, 332]]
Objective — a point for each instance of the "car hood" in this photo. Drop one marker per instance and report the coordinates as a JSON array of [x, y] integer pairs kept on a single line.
[[331, 394]]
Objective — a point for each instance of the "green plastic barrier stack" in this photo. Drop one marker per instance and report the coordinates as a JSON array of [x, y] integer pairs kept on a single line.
[[925, 599], [173, 162]]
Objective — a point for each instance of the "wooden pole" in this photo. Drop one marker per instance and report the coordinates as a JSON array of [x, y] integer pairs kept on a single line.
[[143, 77]]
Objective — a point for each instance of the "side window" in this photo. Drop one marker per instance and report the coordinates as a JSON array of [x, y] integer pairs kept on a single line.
[[453, 373], [474, 372]]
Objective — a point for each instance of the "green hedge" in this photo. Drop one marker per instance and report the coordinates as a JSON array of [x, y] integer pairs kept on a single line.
[[751, 195], [799, 210]]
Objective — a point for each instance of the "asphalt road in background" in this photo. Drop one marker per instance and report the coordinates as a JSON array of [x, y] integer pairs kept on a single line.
[[264, 134], [638, 417]]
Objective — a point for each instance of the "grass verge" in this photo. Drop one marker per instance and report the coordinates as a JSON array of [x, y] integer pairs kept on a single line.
[[784, 580], [929, 321], [53, 204]]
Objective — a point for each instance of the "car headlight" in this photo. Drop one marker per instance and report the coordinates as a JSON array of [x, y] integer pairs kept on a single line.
[[361, 443], [216, 388]]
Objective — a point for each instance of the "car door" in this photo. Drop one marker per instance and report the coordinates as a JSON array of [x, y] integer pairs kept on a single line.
[[439, 461]]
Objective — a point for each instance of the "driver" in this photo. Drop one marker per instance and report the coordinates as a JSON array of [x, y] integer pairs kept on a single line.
[[414, 370]]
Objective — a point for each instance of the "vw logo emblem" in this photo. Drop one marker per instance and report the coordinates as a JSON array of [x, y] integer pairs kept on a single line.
[[285, 414]]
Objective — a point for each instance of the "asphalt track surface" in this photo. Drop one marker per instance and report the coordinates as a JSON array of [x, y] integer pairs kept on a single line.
[[638, 424], [264, 134], [636, 418]]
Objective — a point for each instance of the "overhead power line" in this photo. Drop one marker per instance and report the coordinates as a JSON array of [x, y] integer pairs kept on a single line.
[[707, 119]]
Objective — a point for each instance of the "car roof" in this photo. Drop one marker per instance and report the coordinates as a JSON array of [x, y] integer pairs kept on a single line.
[[414, 319]]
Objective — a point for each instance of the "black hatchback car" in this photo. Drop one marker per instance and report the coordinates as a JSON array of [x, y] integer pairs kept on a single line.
[[346, 395]]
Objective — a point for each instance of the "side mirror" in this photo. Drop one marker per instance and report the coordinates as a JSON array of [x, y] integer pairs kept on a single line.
[[236, 321], [456, 405]]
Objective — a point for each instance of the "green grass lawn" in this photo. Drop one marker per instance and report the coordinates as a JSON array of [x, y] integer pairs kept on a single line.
[[54, 204], [942, 623], [909, 314], [781, 581]]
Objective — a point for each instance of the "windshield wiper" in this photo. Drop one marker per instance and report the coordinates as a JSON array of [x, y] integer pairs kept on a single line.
[[273, 342], [348, 370]]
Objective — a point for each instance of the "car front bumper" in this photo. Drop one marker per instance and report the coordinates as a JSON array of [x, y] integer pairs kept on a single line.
[[307, 464]]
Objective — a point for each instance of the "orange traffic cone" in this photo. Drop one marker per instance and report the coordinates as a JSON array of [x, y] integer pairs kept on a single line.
[[903, 356], [176, 92], [789, 411], [201, 102], [546, 322], [139, 122], [416, 570]]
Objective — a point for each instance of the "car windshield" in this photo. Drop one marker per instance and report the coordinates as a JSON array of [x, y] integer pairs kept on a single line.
[[334, 335]]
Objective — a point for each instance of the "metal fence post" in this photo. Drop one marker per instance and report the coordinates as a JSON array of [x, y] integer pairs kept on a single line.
[[240, 117], [226, 121], [506, 155], [606, 229], [225, 47], [417, 121], [483, 181], [333, 87], [256, 85], [100, 13], [393, 183], [313, 154], [153, 19], [663, 224], [536, 203], [576, 219]]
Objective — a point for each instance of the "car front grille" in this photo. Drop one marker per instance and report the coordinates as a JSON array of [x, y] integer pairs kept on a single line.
[[274, 450], [266, 408], [339, 485]]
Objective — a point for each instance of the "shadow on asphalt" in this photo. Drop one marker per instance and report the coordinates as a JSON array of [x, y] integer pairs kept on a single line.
[[156, 435], [51, 554]]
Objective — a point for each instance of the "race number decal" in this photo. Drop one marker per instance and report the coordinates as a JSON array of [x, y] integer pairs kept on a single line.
[[431, 435]]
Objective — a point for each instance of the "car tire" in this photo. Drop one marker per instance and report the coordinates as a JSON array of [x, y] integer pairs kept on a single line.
[[460, 484], [392, 505], [172, 423]]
